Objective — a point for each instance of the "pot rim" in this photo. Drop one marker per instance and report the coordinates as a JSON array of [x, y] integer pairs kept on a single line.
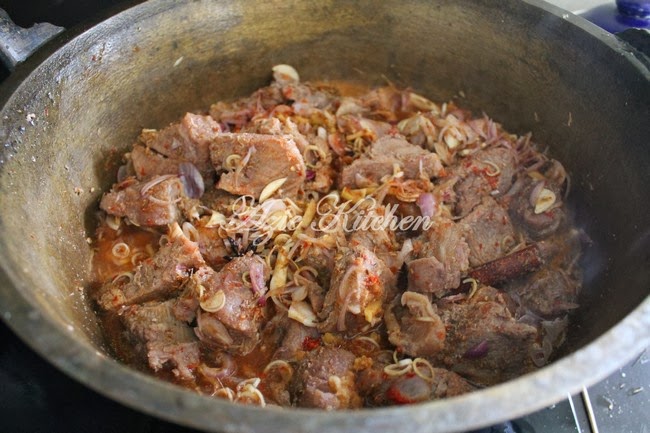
[[143, 392]]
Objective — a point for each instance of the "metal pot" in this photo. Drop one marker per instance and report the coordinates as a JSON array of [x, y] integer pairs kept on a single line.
[[69, 112]]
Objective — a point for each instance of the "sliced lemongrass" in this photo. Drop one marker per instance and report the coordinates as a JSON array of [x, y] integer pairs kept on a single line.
[[121, 250], [214, 303], [423, 368], [496, 170], [544, 201]]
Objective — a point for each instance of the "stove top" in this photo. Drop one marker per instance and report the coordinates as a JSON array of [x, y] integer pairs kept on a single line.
[[36, 397]]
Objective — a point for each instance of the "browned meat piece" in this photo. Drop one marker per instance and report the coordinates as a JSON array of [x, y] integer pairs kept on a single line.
[[442, 261], [485, 343], [487, 172], [414, 326], [512, 266], [187, 304], [297, 339], [383, 155], [188, 140], [392, 104], [324, 379], [155, 278], [549, 292], [384, 102], [537, 225], [488, 232], [231, 313], [381, 242], [410, 389], [357, 292], [238, 113], [372, 130], [217, 199], [372, 382], [448, 384], [260, 160], [213, 248], [307, 98], [379, 389], [152, 203], [315, 151], [147, 163], [165, 340]]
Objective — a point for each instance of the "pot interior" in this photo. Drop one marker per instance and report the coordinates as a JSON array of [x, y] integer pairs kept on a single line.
[[67, 124]]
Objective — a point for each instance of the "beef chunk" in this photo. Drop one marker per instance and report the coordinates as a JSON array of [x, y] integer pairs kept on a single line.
[[414, 326], [324, 379], [351, 124], [213, 248], [487, 172], [484, 343], [261, 160], [357, 292], [537, 225], [297, 340], [156, 278], [188, 140], [448, 384], [311, 144], [147, 163], [442, 261], [165, 340], [187, 304], [488, 232], [238, 113], [548, 292], [410, 389], [379, 389], [236, 324], [152, 203], [382, 242], [383, 155]]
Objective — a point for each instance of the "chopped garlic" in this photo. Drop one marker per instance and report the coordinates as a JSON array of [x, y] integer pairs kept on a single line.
[[271, 188], [300, 311], [285, 73], [423, 103], [545, 200], [451, 141]]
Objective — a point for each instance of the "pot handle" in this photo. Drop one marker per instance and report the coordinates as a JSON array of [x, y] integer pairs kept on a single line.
[[17, 43]]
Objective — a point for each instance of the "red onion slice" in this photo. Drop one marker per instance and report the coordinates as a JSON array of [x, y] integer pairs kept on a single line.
[[427, 204], [122, 173], [192, 180], [535, 192], [477, 351], [256, 273]]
